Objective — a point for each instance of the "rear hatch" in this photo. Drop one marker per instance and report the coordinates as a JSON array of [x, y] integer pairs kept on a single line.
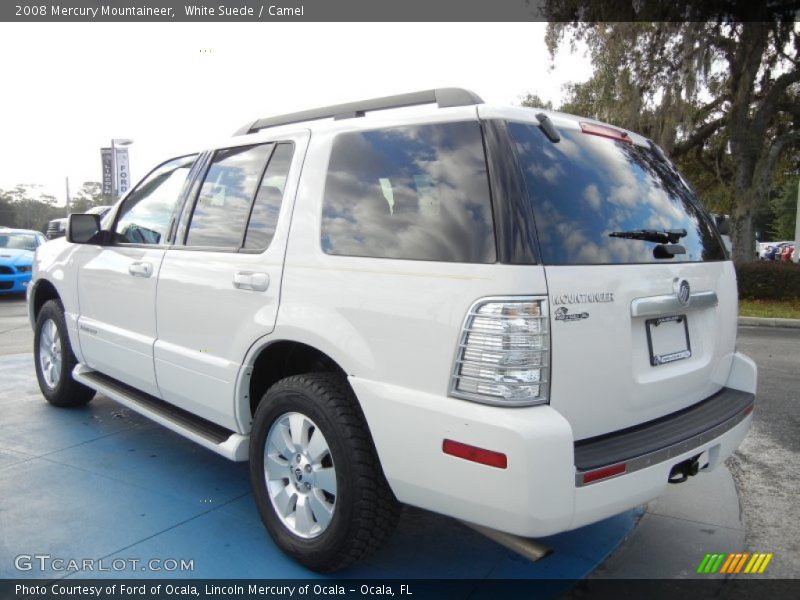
[[643, 323]]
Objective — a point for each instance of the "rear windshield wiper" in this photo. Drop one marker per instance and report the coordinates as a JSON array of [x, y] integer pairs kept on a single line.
[[660, 236]]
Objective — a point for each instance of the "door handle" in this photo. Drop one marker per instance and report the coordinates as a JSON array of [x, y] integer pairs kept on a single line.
[[248, 280], [140, 269]]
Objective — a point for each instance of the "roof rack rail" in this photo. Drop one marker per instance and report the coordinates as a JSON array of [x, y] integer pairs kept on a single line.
[[443, 97]]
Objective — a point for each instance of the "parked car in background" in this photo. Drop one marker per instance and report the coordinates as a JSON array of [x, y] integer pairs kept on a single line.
[[762, 248], [58, 227], [16, 257], [786, 253], [779, 250], [773, 251]]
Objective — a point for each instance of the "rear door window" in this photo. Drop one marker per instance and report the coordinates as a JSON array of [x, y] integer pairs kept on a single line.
[[226, 197], [418, 192], [585, 187], [267, 205]]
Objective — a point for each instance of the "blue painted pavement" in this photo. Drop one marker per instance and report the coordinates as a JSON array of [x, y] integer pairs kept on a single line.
[[103, 482]]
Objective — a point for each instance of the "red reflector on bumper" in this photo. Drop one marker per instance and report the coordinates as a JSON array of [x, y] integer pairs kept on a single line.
[[749, 409], [603, 473], [475, 454]]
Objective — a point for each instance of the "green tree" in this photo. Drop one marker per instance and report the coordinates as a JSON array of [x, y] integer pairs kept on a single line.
[[7, 212], [719, 95], [88, 196], [534, 101], [28, 207], [784, 209]]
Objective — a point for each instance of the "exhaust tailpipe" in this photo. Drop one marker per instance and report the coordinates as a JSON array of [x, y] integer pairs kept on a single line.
[[530, 548]]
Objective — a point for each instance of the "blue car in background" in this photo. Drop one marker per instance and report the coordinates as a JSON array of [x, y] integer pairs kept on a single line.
[[16, 258]]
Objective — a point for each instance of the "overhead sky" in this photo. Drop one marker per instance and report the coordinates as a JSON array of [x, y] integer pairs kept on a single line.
[[176, 87]]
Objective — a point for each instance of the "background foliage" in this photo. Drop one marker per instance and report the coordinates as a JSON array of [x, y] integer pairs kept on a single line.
[[718, 91], [26, 207], [767, 280]]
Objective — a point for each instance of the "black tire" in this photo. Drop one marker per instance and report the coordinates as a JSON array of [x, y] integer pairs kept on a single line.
[[366, 511], [66, 392]]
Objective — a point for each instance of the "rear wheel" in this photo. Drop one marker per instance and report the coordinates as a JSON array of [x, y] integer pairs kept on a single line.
[[316, 478], [54, 359]]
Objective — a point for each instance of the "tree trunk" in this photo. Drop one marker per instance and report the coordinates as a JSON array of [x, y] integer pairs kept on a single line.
[[742, 233]]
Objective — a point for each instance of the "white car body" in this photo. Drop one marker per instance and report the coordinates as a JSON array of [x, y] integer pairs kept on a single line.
[[184, 334]]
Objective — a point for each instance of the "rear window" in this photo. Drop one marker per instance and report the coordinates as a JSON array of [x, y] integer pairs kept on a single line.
[[418, 193], [585, 187]]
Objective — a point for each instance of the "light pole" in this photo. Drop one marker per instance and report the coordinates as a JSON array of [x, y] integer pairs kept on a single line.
[[114, 143]]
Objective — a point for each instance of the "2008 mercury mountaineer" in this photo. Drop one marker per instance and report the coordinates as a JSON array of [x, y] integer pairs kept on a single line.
[[518, 318]]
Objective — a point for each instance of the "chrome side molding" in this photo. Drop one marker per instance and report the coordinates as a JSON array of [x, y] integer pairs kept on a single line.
[[654, 306]]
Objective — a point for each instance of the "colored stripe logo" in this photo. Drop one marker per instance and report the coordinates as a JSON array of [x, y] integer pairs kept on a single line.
[[732, 564]]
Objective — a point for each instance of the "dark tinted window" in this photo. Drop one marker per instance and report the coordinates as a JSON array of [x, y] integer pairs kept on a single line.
[[146, 215], [223, 204], [409, 192], [264, 217], [585, 187]]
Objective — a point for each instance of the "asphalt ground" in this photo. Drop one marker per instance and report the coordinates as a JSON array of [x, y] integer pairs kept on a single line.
[[15, 330], [767, 466]]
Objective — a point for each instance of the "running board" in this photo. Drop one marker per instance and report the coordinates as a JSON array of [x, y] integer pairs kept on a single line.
[[231, 445]]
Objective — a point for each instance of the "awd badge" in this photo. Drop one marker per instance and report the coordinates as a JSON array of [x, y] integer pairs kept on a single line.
[[562, 314]]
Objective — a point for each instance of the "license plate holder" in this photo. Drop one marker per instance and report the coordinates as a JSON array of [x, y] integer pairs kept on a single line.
[[668, 339]]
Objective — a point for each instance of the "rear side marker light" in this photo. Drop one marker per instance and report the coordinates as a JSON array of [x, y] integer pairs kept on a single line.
[[475, 454], [607, 132], [749, 409], [603, 473]]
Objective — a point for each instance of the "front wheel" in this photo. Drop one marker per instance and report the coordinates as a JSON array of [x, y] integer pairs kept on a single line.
[[54, 359], [316, 478]]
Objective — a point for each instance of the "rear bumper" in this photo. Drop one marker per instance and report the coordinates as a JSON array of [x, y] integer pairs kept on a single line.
[[541, 491], [658, 441]]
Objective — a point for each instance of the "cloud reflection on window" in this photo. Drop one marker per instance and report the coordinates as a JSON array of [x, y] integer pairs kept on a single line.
[[417, 193], [223, 205], [604, 186], [146, 215]]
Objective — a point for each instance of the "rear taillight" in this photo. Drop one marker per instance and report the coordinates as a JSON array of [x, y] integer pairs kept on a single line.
[[503, 353]]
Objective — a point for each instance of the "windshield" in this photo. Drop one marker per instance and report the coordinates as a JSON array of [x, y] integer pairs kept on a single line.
[[585, 188], [18, 241]]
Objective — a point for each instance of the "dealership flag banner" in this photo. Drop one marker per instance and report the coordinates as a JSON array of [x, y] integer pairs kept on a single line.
[[108, 165], [123, 172]]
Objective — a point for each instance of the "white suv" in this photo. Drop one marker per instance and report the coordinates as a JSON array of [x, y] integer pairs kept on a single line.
[[521, 319]]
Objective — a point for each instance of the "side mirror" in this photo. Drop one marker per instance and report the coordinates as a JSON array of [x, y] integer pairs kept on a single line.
[[83, 229], [724, 225]]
